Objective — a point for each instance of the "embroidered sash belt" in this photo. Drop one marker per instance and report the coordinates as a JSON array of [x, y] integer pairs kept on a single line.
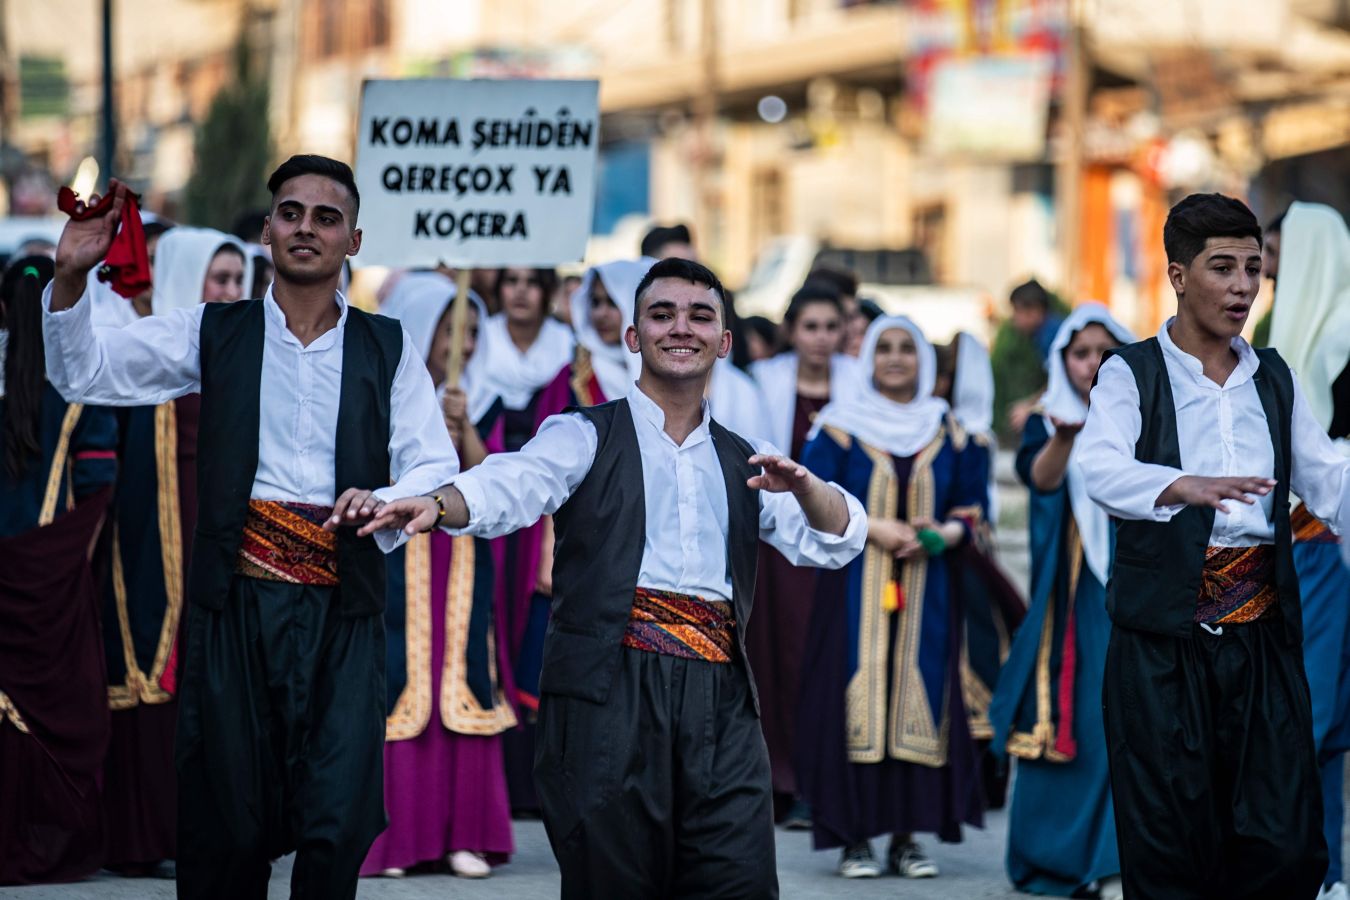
[[1238, 585], [286, 542], [681, 625], [1308, 529]]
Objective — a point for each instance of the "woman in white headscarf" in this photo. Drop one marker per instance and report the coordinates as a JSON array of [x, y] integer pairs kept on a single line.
[[1311, 330], [602, 309], [448, 670], [157, 460], [889, 750], [1047, 709]]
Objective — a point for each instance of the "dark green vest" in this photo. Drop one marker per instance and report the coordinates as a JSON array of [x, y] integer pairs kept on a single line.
[[1156, 572], [227, 459]]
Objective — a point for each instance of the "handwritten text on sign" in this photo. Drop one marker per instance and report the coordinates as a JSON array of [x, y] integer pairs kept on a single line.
[[487, 173]]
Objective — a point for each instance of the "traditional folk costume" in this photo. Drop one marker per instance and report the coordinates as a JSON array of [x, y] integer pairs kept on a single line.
[[53, 705], [531, 386], [1208, 722], [601, 372], [652, 773], [889, 750], [1311, 330], [446, 669], [783, 592], [281, 681], [1046, 710], [993, 607], [149, 545]]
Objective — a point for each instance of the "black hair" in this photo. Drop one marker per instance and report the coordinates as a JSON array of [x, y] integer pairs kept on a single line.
[[845, 283], [156, 228], [1030, 293], [811, 292], [765, 328], [310, 164], [248, 225], [547, 279], [870, 309], [660, 235], [25, 367], [1275, 224], [685, 270], [1200, 217]]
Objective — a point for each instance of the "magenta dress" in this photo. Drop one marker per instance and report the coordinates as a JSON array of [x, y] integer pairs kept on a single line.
[[444, 789]]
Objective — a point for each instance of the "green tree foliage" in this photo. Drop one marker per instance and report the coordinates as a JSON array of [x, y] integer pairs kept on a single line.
[[233, 149]]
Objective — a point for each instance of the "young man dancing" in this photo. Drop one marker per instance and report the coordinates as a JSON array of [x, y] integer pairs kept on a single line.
[[1193, 443], [651, 767], [281, 694]]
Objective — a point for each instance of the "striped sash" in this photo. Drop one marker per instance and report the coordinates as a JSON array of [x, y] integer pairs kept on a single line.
[[680, 625], [1238, 585], [286, 542]]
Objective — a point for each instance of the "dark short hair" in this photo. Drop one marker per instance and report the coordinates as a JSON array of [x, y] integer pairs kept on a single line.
[[311, 164], [811, 292], [1030, 293], [843, 282], [248, 225], [156, 228], [661, 235], [685, 270], [1275, 224], [1200, 217]]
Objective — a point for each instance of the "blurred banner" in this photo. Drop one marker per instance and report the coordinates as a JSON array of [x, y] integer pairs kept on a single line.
[[477, 173], [990, 108]]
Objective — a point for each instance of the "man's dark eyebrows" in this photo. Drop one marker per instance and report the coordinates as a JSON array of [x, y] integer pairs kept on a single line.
[[296, 204], [661, 304], [703, 304]]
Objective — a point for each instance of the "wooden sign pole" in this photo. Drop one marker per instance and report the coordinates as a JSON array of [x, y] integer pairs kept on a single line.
[[459, 319]]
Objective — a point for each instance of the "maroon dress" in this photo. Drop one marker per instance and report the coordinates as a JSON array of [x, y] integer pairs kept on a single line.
[[776, 638]]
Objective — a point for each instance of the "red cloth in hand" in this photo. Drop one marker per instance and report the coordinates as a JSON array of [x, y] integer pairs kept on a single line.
[[127, 265]]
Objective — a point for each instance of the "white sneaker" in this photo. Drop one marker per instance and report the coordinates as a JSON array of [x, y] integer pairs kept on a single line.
[[909, 861], [467, 864], [858, 862], [392, 873], [1337, 891], [1111, 889]]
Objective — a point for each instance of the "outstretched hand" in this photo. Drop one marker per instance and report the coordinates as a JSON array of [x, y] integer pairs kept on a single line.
[[356, 506], [410, 515], [1197, 490], [780, 476]]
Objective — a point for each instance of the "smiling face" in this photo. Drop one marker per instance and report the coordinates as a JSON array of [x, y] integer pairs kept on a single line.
[[895, 365], [1216, 291], [311, 230], [1083, 356], [224, 277], [521, 296], [606, 317], [815, 334], [679, 330]]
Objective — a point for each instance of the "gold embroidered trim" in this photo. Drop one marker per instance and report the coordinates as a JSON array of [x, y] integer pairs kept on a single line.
[[918, 734], [1040, 743], [139, 687], [58, 470], [412, 711], [460, 710], [865, 696], [841, 437], [582, 371], [10, 713], [977, 697]]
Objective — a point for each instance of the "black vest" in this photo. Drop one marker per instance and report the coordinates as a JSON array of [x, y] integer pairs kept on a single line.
[[1156, 574], [597, 554], [227, 441]]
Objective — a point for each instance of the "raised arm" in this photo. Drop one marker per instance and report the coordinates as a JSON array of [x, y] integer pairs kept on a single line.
[[149, 361]]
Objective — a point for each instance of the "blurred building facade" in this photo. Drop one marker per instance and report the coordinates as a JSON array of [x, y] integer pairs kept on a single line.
[[944, 125]]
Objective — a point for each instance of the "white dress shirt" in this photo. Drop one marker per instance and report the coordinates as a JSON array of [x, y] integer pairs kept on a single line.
[[685, 545], [1222, 432], [157, 358]]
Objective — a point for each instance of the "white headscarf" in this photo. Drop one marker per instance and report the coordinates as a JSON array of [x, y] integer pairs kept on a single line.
[[1063, 402], [419, 300], [777, 379], [182, 257], [973, 387], [1311, 323], [900, 429], [615, 367], [515, 376], [735, 401]]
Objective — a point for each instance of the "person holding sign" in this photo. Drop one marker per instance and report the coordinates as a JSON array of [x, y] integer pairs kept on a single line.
[[281, 680], [651, 768]]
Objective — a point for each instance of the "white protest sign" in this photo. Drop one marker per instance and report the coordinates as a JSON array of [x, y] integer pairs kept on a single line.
[[477, 173]]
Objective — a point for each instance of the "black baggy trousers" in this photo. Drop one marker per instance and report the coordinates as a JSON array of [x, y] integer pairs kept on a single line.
[[661, 792], [280, 743], [1213, 772]]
